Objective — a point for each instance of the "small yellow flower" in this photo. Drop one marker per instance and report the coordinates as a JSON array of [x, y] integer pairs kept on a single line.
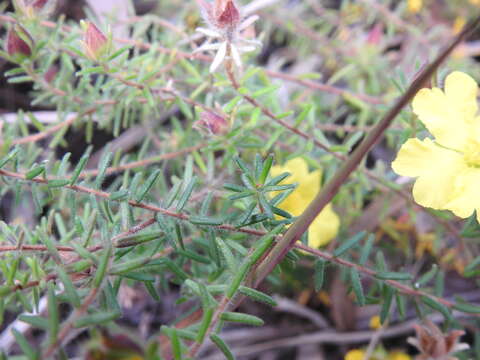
[[447, 167], [375, 322], [355, 354], [474, 2], [325, 226], [459, 23], [414, 6]]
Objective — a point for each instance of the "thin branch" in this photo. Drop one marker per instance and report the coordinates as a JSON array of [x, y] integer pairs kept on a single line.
[[324, 87], [142, 163], [51, 130], [149, 207]]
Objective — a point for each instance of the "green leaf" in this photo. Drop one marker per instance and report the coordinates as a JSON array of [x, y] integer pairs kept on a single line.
[[266, 90], [27, 349], [119, 195], [391, 275], [96, 319], [277, 179], [57, 183], [173, 193], [348, 244], [357, 286], [53, 314], [186, 194], [366, 249], [237, 280], [118, 53], [461, 305], [34, 172], [176, 346], [231, 104], [194, 256], [102, 266], [79, 168], [319, 274], [206, 321], [242, 318], [435, 305], [9, 157], [151, 290], [234, 187], [35, 321], [129, 265], [102, 168], [230, 260], [303, 114], [473, 269], [425, 278], [222, 346], [387, 302], [148, 185], [257, 295], [205, 220], [70, 290], [401, 305]]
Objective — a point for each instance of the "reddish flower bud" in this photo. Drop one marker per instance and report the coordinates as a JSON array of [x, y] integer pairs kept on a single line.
[[51, 73], [38, 4], [96, 44], [229, 17], [19, 43], [32, 8], [212, 123], [375, 35]]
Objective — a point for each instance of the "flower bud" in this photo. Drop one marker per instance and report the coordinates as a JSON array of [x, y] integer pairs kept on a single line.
[[375, 35], [212, 123], [95, 43], [229, 16], [38, 4], [51, 73], [32, 8], [19, 43]]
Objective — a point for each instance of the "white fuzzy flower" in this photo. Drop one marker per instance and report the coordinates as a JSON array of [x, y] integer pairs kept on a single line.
[[224, 32]]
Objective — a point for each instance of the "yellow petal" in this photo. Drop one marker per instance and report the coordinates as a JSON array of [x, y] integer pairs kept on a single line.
[[398, 355], [309, 185], [461, 91], [466, 197], [297, 168], [324, 228], [422, 157], [441, 115], [355, 354], [435, 167], [294, 204]]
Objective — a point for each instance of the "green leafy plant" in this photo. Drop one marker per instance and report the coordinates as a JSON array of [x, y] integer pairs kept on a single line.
[[171, 189]]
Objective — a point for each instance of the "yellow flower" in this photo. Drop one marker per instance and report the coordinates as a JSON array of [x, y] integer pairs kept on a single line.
[[379, 353], [355, 354], [447, 168], [459, 23], [414, 6], [398, 355], [325, 226], [375, 322]]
